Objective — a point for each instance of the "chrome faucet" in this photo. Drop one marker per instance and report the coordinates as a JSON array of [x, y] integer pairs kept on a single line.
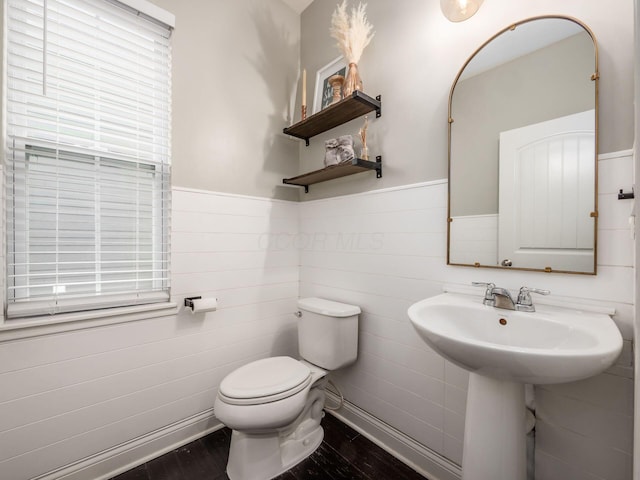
[[489, 298], [501, 297], [525, 304]]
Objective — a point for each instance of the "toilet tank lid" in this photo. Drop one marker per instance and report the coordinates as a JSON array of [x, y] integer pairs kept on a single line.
[[328, 307]]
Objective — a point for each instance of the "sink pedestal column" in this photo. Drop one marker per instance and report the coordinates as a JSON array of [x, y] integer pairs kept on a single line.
[[494, 437]]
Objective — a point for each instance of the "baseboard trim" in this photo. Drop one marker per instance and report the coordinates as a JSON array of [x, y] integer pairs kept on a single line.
[[128, 455], [404, 448]]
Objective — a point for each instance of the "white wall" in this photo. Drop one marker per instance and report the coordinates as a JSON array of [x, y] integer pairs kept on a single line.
[[584, 429], [397, 256], [636, 177], [474, 238], [65, 397], [68, 396]]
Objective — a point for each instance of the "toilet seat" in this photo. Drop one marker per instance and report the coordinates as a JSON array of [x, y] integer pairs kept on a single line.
[[264, 381]]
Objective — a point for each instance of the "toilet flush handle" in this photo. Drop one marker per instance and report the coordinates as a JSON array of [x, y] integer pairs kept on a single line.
[[298, 314]]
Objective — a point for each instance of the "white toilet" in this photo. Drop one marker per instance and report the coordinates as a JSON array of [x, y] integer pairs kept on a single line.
[[274, 405]]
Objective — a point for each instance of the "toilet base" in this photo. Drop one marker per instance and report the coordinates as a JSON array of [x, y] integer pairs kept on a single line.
[[265, 455], [255, 457]]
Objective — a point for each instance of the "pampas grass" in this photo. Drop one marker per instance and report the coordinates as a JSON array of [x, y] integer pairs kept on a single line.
[[353, 32]]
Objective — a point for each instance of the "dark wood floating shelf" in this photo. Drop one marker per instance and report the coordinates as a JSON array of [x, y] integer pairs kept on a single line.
[[345, 110], [357, 165]]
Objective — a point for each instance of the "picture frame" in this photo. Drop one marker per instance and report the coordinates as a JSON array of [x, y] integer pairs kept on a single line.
[[323, 93]]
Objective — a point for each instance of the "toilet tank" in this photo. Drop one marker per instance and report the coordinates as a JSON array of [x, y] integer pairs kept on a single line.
[[328, 332]]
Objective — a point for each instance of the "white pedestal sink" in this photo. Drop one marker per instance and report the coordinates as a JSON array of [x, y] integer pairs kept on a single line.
[[503, 350]]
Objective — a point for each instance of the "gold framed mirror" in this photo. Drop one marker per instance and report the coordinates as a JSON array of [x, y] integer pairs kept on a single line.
[[523, 143]]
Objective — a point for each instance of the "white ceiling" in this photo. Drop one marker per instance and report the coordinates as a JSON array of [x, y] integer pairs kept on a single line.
[[298, 5]]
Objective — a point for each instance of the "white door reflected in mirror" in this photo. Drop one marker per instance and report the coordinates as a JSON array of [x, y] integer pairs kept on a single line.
[[546, 193]]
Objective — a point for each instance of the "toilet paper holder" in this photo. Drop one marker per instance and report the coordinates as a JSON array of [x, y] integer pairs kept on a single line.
[[188, 302]]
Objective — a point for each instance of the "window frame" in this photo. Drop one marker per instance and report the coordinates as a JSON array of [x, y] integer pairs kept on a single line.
[[35, 325]]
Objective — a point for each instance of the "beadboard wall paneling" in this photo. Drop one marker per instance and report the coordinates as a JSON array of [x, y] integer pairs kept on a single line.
[[3, 250], [68, 396], [584, 429], [474, 239], [384, 250]]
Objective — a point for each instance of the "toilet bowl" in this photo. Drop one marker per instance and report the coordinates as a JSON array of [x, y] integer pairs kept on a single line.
[[278, 428], [274, 405], [265, 394]]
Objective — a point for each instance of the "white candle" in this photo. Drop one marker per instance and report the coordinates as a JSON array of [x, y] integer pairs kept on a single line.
[[304, 87]]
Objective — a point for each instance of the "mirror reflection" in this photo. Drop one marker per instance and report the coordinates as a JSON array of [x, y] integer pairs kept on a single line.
[[523, 143]]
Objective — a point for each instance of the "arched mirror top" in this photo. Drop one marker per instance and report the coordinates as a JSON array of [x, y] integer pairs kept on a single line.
[[522, 147], [532, 35]]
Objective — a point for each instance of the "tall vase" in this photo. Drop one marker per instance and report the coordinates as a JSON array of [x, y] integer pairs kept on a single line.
[[353, 81]]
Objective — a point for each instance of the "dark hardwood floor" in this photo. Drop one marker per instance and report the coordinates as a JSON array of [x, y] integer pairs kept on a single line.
[[343, 455]]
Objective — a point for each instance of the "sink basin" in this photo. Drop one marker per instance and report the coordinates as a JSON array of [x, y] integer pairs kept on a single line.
[[502, 350], [551, 345]]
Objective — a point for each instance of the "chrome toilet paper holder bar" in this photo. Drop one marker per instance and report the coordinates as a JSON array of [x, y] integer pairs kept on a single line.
[[188, 301]]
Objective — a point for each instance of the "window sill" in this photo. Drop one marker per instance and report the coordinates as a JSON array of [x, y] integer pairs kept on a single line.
[[47, 325]]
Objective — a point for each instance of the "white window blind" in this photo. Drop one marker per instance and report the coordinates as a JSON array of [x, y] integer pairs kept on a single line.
[[87, 156]]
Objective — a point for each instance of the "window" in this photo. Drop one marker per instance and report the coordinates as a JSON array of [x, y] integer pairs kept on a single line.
[[87, 156]]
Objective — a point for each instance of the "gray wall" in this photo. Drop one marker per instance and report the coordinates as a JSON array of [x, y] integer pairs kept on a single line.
[[235, 70], [415, 56], [236, 67]]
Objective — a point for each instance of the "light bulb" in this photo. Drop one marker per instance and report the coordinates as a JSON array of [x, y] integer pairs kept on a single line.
[[459, 10]]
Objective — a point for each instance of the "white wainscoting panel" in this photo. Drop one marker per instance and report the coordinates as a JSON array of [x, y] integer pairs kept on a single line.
[[67, 397], [384, 250], [102, 399], [474, 238]]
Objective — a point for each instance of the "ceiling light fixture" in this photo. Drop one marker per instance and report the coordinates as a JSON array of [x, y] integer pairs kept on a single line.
[[459, 10]]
